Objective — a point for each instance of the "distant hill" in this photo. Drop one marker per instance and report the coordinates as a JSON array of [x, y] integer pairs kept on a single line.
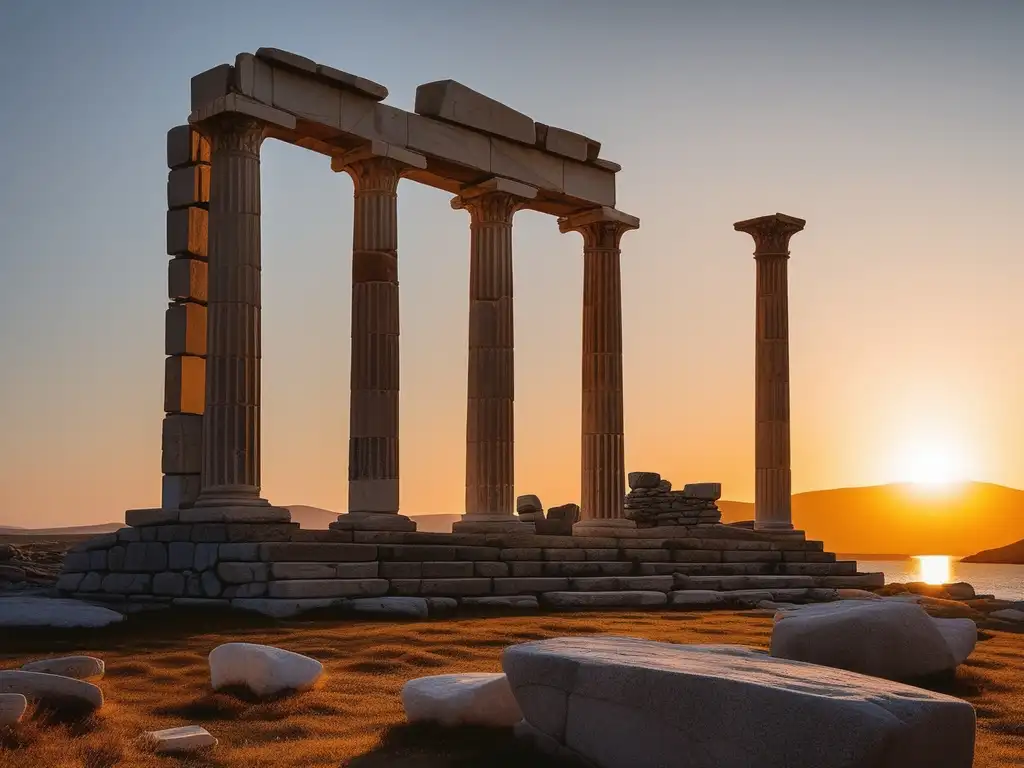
[[1012, 554], [75, 530], [904, 517]]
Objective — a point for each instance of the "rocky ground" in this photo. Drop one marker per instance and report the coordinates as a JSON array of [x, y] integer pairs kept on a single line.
[[31, 563]]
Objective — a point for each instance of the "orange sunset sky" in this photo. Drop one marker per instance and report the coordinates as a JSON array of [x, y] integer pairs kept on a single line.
[[895, 131]]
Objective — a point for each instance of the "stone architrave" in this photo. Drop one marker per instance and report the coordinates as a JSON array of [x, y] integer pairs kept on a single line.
[[231, 417], [603, 461], [773, 480], [373, 423], [490, 433]]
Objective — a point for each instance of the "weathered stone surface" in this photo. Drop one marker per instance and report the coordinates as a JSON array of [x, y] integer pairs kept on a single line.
[[127, 583], [442, 606], [704, 491], [610, 583], [188, 738], [285, 608], [181, 555], [692, 598], [643, 480], [253, 514], [455, 587], [521, 553], [895, 640], [623, 599], [188, 233], [860, 581], [210, 584], [295, 552], [148, 557], [209, 533], [78, 667], [472, 698], [184, 392], [566, 143], [564, 554], [354, 83], [187, 280], [182, 445], [263, 669], [206, 556], [91, 583], [12, 707], [239, 552], [485, 569], [76, 562], [453, 570], [169, 583], [454, 102], [528, 503], [40, 686], [527, 585], [403, 607], [252, 589], [242, 573], [629, 703], [313, 588], [201, 603], [138, 518], [515, 602], [188, 186], [1008, 614], [186, 146], [67, 582], [128, 534]]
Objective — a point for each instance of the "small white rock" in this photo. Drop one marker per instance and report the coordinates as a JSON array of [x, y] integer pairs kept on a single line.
[[263, 669], [12, 707], [52, 612], [473, 698], [39, 685], [188, 738], [78, 667]]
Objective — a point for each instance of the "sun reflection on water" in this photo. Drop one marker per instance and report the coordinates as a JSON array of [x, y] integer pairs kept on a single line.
[[934, 569]]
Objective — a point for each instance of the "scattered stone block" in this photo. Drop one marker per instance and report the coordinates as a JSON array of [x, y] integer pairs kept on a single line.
[[262, 669], [639, 480], [78, 667], [454, 102], [894, 640], [472, 698], [529, 503], [188, 738], [12, 707], [625, 703], [39, 686], [703, 491]]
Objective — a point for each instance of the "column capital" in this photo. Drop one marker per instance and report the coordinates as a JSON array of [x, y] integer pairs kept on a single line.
[[771, 233], [234, 106], [601, 227], [493, 201], [377, 165]]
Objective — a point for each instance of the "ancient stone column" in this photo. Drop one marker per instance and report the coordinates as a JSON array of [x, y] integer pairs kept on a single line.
[[772, 480], [373, 405], [602, 460], [490, 423], [231, 418]]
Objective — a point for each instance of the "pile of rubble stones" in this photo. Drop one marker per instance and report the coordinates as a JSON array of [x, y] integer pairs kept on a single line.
[[31, 565], [559, 520], [651, 502]]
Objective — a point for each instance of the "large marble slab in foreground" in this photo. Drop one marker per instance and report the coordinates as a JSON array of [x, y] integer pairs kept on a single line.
[[621, 702]]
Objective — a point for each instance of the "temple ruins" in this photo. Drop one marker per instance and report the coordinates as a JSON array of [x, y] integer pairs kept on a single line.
[[215, 541]]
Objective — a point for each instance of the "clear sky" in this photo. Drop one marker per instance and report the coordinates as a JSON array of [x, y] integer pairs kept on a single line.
[[894, 128]]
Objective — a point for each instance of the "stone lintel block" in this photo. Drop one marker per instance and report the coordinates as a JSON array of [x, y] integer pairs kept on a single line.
[[314, 552], [188, 232], [494, 184], [182, 444], [305, 588], [528, 165], [257, 513], [454, 102], [455, 587], [185, 329], [367, 119], [450, 142], [138, 518], [607, 165], [354, 83], [254, 78], [520, 585], [187, 279], [307, 97], [184, 384], [566, 143], [235, 103], [588, 182], [212, 84], [180, 491], [188, 186], [287, 59], [186, 146], [378, 148]]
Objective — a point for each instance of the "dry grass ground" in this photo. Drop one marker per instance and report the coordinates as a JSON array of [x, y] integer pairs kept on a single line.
[[157, 677]]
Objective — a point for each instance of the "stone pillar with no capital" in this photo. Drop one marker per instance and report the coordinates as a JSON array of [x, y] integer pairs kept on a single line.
[[772, 480], [230, 486], [603, 439], [373, 407], [490, 421]]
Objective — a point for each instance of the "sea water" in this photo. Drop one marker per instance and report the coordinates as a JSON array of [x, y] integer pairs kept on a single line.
[[1004, 581]]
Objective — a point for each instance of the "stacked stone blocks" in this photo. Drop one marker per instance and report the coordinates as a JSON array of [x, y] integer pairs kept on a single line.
[[652, 503], [188, 196]]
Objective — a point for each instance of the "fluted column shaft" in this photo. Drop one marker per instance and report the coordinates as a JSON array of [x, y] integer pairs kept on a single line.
[[373, 414], [603, 433], [231, 419], [772, 482], [490, 427], [772, 473]]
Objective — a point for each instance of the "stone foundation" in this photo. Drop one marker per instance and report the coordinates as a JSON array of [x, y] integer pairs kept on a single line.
[[279, 569]]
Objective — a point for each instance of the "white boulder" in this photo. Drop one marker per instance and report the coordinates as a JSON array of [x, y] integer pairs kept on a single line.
[[622, 702], [41, 686], [188, 738], [54, 612], [262, 669], [476, 698], [897, 640], [12, 707], [78, 667]]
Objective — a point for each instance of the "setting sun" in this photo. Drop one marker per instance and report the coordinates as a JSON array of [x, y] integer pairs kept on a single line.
[[935, 569]]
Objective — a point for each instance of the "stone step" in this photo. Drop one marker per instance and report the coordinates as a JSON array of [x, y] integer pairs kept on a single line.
[[622, 583], [853, 581], [322, 588], [471, 587], [366, 570], [316, 552], [838, 568], [732, 583], [624, 599]]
